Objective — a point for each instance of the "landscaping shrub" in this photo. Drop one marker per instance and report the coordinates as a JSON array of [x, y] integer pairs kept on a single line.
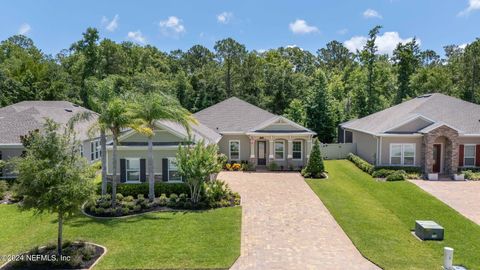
[[248, 167], [315, 167], [160, 188], [382, 173], [163, 200], [3, 189], [471, 175], [272, 166], [399, 175], [96, 165], [407, 169], [360, 163], [233, 167]]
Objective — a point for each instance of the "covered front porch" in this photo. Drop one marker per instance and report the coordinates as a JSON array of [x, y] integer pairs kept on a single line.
[[286, 150]]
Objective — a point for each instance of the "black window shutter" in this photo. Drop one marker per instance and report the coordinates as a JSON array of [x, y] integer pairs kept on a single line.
[[143, 173], [123, 171], [165, 169]]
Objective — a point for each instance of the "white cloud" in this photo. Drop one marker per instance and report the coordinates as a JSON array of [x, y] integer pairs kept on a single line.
[[301, 27], [370, 13], [463, 46], [110, 25], [342, 31], [137, 36], [24, 29], [386, 43], [472, 6], [224, 17], [172, 26]]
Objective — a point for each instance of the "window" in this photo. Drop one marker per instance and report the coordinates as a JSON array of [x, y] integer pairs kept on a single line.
[[173, 175], [297, 150], [80, 150], [132, 167], [95, 151], [234, 150], [279, 150], [402, 154], [469, 155]]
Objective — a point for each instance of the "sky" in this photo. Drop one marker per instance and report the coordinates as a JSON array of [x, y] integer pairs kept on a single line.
[[259, 25]]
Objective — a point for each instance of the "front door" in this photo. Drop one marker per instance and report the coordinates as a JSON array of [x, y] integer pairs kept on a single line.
[[261, 153], [437, 154]]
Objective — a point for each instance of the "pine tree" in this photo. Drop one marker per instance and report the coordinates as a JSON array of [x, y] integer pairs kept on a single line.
[[315, 166]]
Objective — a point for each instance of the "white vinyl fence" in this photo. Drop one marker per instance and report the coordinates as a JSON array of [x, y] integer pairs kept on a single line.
[[337, 150]]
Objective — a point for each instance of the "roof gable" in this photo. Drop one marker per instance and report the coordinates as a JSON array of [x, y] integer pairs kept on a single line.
[[233, 115]]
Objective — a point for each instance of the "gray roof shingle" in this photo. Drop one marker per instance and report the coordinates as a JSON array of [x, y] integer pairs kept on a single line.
[[20, 118], [233, 115], [442, 109]]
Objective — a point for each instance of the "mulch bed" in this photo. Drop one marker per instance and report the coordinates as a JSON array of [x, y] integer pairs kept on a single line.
[[46, 258]]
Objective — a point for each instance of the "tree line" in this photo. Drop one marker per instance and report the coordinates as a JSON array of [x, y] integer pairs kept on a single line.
[[318, 90]]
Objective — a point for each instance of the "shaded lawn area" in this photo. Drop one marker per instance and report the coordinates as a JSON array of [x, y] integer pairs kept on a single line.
[[378, 217], [208, 239]]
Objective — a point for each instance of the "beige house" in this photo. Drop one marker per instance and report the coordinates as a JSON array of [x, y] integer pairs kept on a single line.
[[439, 133], [243, 132]]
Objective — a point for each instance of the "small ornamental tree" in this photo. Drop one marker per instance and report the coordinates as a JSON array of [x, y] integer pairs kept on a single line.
[[52, 177], [195, 164], [315, 167]]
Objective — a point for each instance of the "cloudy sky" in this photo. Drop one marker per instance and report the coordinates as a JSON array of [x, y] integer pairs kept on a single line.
[[260, 25]]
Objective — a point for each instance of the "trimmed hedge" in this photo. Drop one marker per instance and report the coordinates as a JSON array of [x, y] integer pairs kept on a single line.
[[142, 188], [407, 169], [471, 175], [399, 175], [360, 163]]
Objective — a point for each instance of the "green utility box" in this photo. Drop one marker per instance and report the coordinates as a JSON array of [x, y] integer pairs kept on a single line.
[[428, 230]]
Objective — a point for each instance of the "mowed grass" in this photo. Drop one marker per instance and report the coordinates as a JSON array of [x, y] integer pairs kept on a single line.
[[379, 216], [207, 239]]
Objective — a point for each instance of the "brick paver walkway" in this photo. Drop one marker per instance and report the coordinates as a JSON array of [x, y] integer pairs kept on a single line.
[[286, 226], [463, 196]]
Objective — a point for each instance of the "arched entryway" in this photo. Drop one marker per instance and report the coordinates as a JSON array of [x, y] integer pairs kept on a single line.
[[440, 147]]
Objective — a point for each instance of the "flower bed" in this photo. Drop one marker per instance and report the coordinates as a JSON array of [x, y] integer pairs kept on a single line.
[[215, 194], [75, 255]]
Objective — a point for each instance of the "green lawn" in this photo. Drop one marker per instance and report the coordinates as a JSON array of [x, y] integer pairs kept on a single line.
[[378, 217], [209, 239]]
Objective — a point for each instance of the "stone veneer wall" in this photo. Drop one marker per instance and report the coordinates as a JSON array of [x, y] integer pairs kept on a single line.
[[451, 149]]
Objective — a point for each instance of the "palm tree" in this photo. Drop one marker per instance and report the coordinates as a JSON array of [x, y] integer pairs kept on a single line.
[[98, 102], [146, 111], [115, 116]]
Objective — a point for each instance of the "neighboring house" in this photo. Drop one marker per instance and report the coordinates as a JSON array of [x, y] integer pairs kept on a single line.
[[18, 119], [436, 132], [243, 132]]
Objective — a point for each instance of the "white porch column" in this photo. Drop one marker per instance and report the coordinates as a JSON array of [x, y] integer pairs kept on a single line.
[[252, 147], [309, 147], [270, 156], [290, 149]]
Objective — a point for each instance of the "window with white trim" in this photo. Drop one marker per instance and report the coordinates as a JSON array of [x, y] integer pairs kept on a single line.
[[95, 150], [173, 174], [297, 152], [234, 150], [469, 155], [132, 167], [402, 154], [279, 150]]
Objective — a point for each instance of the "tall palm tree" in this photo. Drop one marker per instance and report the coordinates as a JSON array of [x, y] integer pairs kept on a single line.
[[116, 117], [98, 102], [146, 111]]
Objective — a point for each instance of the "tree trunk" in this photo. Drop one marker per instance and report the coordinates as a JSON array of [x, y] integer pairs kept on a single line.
[[60, 232], [103, 142], [151, 176], [114, 171]]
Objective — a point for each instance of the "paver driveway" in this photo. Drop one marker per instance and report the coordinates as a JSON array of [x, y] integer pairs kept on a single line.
[[286, 226], [463, 196]]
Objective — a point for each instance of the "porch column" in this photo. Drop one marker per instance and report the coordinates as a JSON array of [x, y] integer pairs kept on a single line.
[[290, 149], [309, 147], [270, 155], [252, 148]]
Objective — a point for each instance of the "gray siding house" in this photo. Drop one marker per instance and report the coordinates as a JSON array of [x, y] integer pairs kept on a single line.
[[439, 133], [243, 132], [18, 119]]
